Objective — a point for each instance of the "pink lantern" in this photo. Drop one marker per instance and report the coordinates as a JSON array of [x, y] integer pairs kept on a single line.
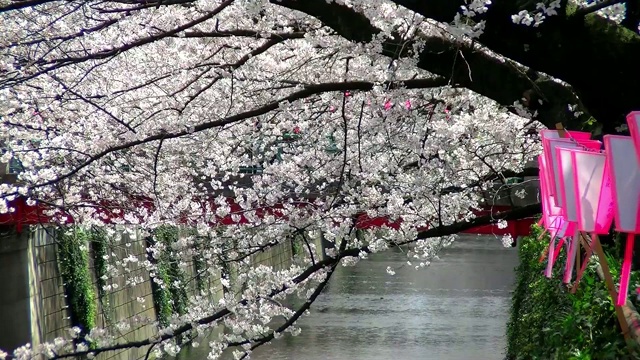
[[566, 176], [547, 134], [592, 188], [553, 134], [549, 149], [552, 214], [569, 206], [633, 120], [555, 223], [625, 175]]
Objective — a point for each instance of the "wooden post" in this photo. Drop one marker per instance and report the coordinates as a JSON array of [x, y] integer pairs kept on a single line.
[[544, 231], [578, 253], [561, 130], [588, 251], [546, 249], [545, 253], [597, 248]]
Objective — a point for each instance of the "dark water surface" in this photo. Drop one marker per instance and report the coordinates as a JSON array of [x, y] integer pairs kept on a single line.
[[453, 310]]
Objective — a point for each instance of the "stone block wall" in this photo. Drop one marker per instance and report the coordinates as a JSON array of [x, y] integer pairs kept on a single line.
[[53, 307], [36, 309]]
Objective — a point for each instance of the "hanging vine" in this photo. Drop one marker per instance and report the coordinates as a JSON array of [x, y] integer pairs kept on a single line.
[[161, 297], [169, 293], [199, 265], [100, 246], [73, 260]]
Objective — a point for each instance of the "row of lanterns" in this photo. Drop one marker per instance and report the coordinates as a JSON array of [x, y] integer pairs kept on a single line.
[[586, 185]]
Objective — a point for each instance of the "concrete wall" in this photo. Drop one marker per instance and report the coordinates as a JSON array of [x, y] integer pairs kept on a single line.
[[279, 257], [15, 294]]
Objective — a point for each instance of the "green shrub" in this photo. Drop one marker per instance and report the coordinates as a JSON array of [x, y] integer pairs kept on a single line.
[[548, 322]]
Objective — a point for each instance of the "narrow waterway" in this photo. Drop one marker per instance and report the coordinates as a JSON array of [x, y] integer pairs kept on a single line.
[[453, 310]]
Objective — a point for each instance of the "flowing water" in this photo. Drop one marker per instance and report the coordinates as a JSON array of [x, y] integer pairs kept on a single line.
[[453, 310]]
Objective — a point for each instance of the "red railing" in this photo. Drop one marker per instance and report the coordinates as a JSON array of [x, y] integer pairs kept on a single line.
[[25, 214]]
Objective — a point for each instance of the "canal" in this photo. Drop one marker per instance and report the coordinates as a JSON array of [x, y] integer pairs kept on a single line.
[[453, 310]]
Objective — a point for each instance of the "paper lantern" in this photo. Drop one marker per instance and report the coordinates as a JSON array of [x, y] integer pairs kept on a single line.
[[552, 214], [553, 250], [625, 180], [625, 185], [547, 134], [633, 120], [566, 177], [553, 163], [554, 134], [569, 206], [555, 223], [592, 187]]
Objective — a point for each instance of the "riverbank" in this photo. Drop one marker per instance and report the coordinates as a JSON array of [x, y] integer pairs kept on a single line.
[[548, 322]]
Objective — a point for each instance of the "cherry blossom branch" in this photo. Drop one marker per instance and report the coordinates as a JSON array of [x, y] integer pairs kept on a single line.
[[491, 70], [148, 4], [307, 90], [203, 321], [59, 62], [243, 60], [144, 41], [155, 167], [240, 33], [93, 104], [490, 177], [17, 5], [345, 129], [105, 24], [306, 306]]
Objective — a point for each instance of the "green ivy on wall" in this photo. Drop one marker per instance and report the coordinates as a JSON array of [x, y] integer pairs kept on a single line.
[[548, 322], [199, 265], [296, 244], [73, 261], [100, 251], [171, 297], [161, 297]]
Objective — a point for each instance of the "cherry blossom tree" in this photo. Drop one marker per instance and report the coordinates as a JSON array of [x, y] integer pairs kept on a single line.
[[291, 118]]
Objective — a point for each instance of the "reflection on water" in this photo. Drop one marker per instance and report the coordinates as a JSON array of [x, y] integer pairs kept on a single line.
[[455, 309]]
